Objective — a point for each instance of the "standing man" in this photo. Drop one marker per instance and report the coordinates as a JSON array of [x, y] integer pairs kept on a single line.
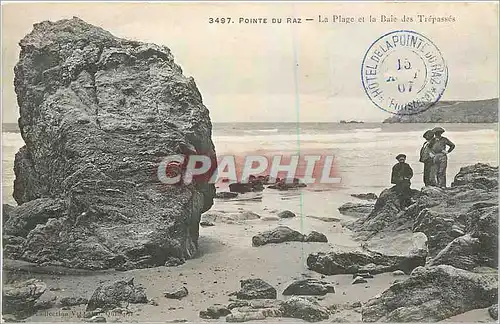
[[426, 157], [438, 148], [401, 175]]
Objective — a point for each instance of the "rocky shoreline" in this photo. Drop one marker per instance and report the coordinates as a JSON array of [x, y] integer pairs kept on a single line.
[[443, 249]]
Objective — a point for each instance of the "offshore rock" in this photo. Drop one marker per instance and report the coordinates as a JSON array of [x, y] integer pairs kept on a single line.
[[98, 114]]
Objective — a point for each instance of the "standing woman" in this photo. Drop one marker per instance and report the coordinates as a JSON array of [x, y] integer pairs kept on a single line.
[[426, 157], [439, 148]]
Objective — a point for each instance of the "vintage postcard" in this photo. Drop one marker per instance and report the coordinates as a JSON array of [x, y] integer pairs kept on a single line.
[[250, 161]]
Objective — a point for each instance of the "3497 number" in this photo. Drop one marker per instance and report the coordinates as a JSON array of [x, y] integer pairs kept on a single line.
[[218, 20]]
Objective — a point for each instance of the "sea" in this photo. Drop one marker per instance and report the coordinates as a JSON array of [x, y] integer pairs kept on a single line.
[[364, 155]]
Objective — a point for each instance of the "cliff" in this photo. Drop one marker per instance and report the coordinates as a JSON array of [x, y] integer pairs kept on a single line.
[[480, 111], [98, 114]]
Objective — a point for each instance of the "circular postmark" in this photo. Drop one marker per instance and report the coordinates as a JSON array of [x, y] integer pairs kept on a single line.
[[404, 73]]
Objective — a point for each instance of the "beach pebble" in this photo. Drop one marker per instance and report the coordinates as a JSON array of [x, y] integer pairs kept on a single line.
[[245, 317], [173, 262], [286, 214], [398, 273], [359, 280], [206, 223], [362, 274], [176, 294], [214, 312], [72, 301]]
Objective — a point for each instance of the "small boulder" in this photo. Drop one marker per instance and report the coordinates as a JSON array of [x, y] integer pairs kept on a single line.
[[256, 289], [214, 312], [278, 235], [302, 308], [177, 293], [286, 214], [309, 287], [316, 237], [110, 296], [398, 273]]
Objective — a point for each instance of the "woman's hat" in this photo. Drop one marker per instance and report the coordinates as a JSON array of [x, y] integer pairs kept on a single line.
[[400, 156], [428, 133], [438, 130]]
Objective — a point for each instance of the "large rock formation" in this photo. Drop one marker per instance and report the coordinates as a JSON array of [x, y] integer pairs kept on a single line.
[[457, 227], [445, 216], [432, 295], [98, 114]]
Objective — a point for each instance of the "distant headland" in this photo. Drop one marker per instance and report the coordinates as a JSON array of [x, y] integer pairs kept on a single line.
[[478, 111]]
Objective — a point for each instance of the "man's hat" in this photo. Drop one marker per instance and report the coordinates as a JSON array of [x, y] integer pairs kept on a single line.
[[400, 156], [438, 130], [428, 133]]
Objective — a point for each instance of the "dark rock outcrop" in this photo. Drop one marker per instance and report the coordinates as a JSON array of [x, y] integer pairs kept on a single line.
[[73, 301], [19, 299], [286, 214], [493, 311], [256, 289], [214, 312], [117, 294], [333, 263], [365, 196], [278, 235], [316, 237], [98, 114], [6, 211], [479, 175], [432, 295], [312, 287], [356, 209], [283, 234], [460, 222], [226, 195]]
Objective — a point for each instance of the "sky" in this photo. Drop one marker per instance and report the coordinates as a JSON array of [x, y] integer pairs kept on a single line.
[[277, 72]]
